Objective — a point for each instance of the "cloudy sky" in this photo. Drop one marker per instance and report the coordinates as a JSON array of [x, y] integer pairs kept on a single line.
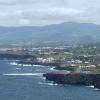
[[44, 12]]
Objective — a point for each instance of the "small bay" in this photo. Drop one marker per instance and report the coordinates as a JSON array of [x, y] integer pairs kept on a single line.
[[26, 83]]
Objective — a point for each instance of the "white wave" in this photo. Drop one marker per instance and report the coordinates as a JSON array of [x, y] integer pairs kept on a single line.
[[17, 68], [51, 84], [24, 74], [31, 65], [26, 65], [19, 64], [97, 89], [52, 69], [37, 65], [44, 78], [13, 63], [45, 83], [91, 86]]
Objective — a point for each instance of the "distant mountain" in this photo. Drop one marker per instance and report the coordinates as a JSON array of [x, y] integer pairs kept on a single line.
[[68, 32]]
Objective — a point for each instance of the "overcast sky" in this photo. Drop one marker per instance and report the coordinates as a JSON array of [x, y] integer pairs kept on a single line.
[[44, 12]]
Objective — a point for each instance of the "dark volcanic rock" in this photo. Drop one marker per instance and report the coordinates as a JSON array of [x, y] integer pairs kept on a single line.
[[74, 78], [70, 68]]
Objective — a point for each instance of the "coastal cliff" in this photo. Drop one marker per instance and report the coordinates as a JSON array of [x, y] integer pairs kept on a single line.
[[74, 78]]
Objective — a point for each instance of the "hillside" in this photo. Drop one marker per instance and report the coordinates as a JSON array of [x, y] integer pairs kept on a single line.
[[68, 32]]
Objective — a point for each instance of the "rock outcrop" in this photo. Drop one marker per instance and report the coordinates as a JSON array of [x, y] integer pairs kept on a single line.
[[74, 78]]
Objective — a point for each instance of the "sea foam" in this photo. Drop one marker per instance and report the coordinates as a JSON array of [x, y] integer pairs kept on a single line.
[[13, 63], [51, 84], [24, 74]]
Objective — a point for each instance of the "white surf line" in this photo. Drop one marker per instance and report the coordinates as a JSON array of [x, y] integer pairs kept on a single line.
[[17, 68], [26, 65], [91, 86], [96, 89], [38, 65], [13, 63], [16, 64], [52, 69], [52, 84], [24, 74]]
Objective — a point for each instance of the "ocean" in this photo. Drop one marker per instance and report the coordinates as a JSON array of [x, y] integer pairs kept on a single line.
[[25, 82]]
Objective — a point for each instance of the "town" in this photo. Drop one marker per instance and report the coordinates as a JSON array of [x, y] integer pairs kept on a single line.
[[77, 58]]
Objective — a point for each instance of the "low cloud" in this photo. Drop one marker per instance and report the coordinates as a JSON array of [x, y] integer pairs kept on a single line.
[[43, 12]]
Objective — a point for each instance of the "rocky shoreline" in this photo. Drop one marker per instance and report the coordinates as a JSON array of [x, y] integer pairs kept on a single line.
[[65, 77], [74, 78], [37, 63]]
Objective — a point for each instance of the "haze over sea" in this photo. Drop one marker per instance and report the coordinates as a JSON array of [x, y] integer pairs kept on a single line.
[[26, 83]]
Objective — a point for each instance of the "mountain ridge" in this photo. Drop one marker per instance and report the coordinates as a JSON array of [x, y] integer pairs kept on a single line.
[[68, 32]]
